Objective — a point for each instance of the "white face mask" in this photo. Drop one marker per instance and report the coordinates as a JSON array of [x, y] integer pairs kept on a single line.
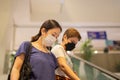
[[49, 40]]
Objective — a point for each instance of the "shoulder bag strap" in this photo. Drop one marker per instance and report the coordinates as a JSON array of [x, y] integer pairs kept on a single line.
[[27, 57]]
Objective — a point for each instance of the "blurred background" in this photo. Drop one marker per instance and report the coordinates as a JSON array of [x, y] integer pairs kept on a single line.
[[98, 20]]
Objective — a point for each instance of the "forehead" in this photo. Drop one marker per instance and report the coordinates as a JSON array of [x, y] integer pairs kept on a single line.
[[54, 30], [74, 39]]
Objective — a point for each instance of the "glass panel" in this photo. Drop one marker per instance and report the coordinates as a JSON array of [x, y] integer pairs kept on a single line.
[[88, 72]]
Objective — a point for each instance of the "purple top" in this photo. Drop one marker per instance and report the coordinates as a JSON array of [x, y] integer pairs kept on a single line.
[[43, 64]]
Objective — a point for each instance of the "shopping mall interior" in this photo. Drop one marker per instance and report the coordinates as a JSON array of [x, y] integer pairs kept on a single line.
[[98, 21]]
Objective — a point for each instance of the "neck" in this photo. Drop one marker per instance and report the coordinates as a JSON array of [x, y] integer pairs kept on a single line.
[[39, 45], [63, 44]]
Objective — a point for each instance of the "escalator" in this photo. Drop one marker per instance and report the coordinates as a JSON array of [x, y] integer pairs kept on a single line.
[[88, 71]]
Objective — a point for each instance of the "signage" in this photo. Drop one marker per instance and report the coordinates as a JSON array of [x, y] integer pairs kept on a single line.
[[97, 35]]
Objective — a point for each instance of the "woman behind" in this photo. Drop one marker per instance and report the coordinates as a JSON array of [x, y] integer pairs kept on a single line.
[[42, 61], [70, 38]]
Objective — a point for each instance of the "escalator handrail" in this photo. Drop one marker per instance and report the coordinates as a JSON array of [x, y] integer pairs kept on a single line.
[[96, 67]]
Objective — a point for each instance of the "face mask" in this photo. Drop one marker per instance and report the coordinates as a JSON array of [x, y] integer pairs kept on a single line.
[[70, 46], [49, 40]]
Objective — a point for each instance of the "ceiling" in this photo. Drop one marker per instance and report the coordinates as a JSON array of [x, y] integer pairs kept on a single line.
[[76, 10], [43, 9]]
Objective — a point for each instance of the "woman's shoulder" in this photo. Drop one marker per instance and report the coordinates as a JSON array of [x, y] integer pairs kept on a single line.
[[58, 51], [25, 45], [26, 42], [23, 48], [57, 46]]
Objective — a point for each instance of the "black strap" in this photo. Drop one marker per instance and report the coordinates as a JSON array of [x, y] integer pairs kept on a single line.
[[27, 57], [28, 52]]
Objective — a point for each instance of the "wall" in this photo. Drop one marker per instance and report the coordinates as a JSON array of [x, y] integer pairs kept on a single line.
[[112, 34], [5, 30]]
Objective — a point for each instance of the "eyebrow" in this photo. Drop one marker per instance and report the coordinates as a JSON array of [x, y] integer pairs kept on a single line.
[[74, 41], [56, 33]]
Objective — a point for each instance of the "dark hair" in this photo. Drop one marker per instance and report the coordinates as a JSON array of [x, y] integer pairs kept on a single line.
[[49, 24], [72, 32]]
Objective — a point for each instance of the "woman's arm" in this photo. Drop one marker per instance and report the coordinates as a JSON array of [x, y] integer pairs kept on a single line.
[[66, 69], [16, 67]]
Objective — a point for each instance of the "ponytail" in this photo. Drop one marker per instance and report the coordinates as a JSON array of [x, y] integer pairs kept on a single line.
[[49, 24]]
